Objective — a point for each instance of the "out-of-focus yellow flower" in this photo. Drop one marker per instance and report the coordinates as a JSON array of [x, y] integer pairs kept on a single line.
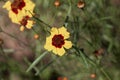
[[56, 42], [19, 8], [26, 23]]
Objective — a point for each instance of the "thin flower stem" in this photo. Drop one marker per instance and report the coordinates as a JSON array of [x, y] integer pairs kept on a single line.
[[100, 68], [29, 63], [44, 67], [36, 61], [46, 28], [88, 42], [70, 8], [82, 55], [68, 14], [47, 65], [102, 18], [104, 72], [93, 63], [42, 21]]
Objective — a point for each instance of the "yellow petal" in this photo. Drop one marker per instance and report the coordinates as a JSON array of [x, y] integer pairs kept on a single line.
[[54, 31], [22, 28], [68, 44], [13, 17], [29, 5], [60, 51], [48, 45], [28, 13], [64, 32], [55, 50], [20, 15], [29, 24], [7, 5]]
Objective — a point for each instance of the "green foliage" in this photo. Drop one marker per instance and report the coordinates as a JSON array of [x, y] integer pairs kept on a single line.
[[93, 27]]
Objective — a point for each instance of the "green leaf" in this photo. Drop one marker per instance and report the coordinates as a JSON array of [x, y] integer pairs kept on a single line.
[[83, 57], [44, 67], [36, 61]]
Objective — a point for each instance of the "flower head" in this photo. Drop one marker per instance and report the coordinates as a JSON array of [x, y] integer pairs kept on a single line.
[[19, 8], [56, 42], [26, 22]]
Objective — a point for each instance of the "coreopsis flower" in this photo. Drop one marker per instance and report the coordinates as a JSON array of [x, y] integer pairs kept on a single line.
[[25, 22], [19, 8], [56, 42]]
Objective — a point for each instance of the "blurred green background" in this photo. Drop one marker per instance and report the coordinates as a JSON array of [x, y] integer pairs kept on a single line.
[[93, 27]]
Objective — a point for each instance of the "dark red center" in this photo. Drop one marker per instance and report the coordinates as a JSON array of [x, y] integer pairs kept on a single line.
[[24, 20], [17, 5], [58, 41]]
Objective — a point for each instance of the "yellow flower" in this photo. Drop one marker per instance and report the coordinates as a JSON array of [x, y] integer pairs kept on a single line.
[[19, 8], [25, 22], [56, 42]]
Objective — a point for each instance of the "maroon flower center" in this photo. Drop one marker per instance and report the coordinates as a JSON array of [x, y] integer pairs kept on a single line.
[[24, 20], [58, 41], [17, 5]]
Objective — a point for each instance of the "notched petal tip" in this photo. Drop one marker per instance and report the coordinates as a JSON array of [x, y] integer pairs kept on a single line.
[[68, 44], [64, 32]]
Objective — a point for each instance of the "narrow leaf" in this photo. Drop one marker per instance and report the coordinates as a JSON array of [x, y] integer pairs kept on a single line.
[[36, 61]]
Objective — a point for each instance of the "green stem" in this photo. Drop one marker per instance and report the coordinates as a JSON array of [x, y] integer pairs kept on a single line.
[[42, 21], [82, 55], [44, 67], [85, 57], [103, 71], [70, 8], [36, 61], [29, 63]]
